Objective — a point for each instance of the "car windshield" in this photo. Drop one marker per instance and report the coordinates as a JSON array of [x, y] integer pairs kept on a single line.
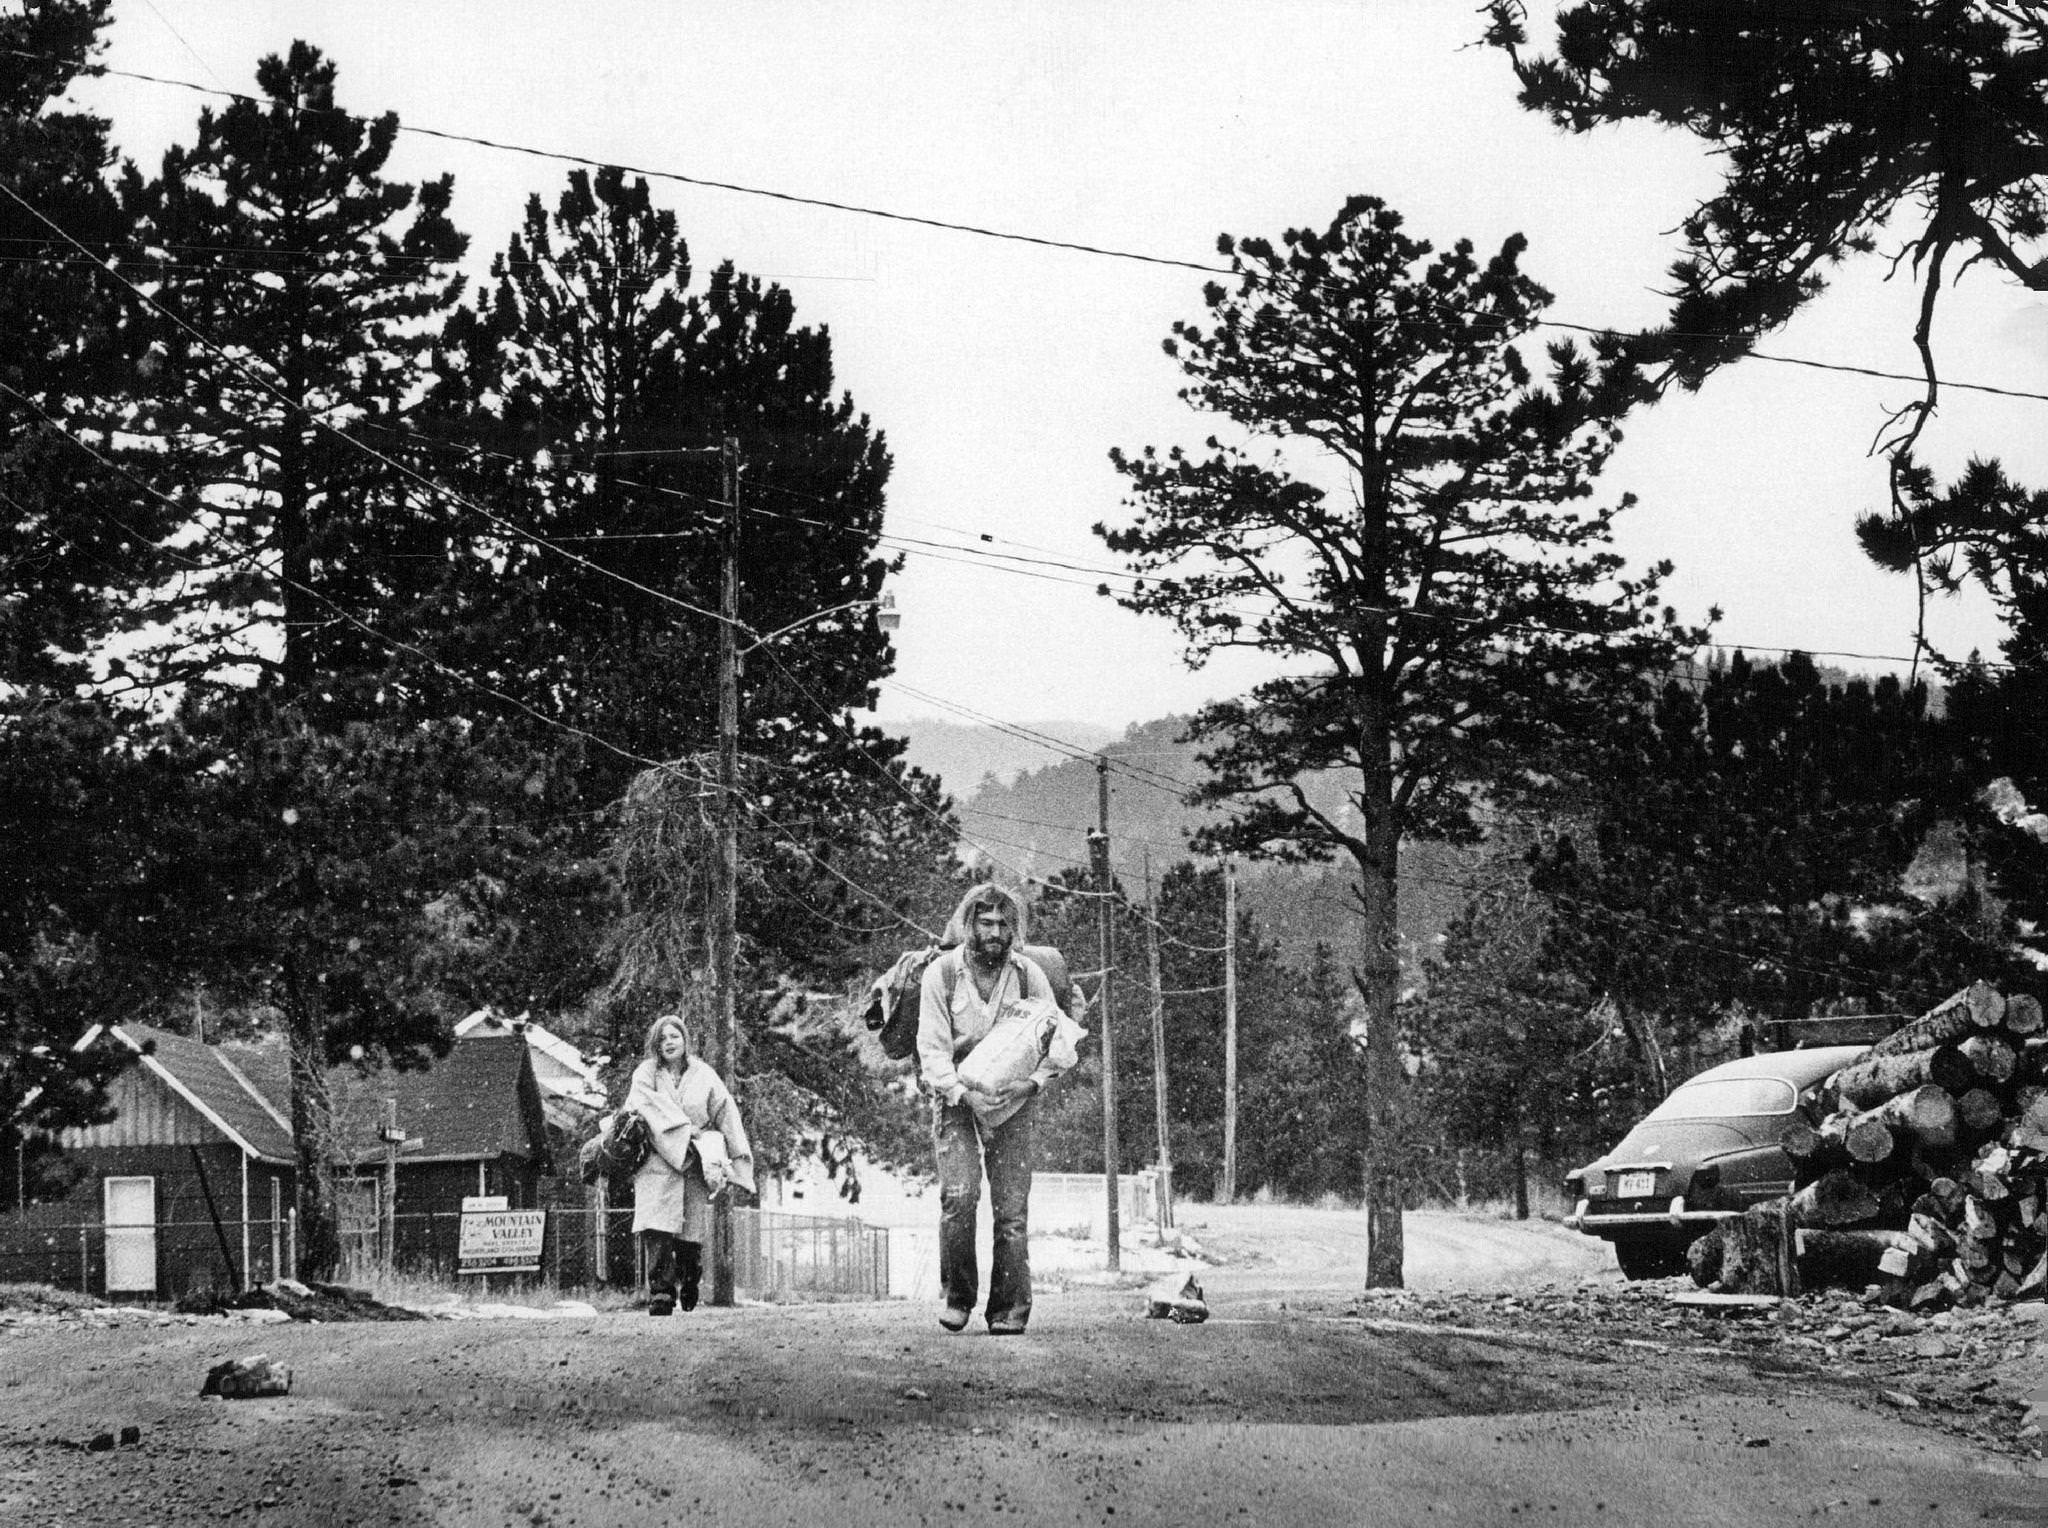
[[1717, 1097]]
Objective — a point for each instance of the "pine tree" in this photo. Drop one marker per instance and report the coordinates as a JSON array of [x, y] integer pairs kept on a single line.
[[74, 808], [1447, 622], [1835, 126], [69, 541], [592, 388], [284, 298], [1745, 851], [290, 292]]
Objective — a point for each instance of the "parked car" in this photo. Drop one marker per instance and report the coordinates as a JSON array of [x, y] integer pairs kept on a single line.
[[1708, 1152]]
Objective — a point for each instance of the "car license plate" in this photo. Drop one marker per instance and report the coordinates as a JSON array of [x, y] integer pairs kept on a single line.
[[1635, 1185]]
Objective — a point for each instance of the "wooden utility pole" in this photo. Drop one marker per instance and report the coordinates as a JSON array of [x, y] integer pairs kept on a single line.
[[725, 908], [388, 1221], [1165, 1205], [1229, 1195], [1105, 941]]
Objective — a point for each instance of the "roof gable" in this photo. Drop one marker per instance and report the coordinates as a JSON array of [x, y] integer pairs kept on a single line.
[[220, 1094], [480, 1100]]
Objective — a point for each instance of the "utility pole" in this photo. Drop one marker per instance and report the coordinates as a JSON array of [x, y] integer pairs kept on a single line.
[[725, 911], [1229, 1031], [1165, 1206], [387, 1227], [1105, 944]]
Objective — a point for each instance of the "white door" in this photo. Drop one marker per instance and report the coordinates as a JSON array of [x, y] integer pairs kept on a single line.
[[131, 1235]]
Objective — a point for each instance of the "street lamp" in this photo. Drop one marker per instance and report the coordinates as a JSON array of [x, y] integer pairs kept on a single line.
[[886, 616]]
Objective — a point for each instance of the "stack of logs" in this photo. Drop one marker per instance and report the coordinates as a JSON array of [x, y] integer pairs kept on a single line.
[[1927, 1174]]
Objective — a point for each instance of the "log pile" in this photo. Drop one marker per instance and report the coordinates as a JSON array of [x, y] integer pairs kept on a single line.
[[1926, 1174]]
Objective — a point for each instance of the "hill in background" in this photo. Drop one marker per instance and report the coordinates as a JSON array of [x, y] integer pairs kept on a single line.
[[963, 754], [1031, 821]]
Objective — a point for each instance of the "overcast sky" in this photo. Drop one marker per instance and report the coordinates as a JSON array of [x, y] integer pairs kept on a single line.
[[1002, 372]]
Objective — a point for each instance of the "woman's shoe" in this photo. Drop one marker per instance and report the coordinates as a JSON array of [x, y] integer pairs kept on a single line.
[[688, 1299], [661, 1305], [954, 1320]]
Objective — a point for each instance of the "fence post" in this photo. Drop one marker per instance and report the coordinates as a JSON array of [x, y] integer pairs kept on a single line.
[[291, 1241], [84, 1264]]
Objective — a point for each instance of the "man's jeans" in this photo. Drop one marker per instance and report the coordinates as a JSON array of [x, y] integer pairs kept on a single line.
[[965, 1147]]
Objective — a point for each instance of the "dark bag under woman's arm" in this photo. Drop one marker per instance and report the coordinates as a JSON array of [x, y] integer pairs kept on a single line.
[[627, 1143]]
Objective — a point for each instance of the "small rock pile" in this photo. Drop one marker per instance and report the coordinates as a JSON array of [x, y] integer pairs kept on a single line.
[[1926, 1178]]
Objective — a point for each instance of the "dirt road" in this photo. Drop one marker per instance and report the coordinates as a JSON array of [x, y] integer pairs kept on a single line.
[[859, 1414], [1277, 1252]]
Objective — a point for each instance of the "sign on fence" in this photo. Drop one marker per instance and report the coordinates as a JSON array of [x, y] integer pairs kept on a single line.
[[497, 1240]]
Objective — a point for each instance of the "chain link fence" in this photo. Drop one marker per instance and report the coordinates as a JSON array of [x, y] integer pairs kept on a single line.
[[776, 1256]]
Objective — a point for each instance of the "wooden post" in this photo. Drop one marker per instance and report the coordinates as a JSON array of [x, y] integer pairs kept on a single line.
[[725, 920], [1163, 1121], [387, 1222], [1105, 937]]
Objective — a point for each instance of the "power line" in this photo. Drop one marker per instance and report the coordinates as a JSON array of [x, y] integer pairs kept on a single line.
[[676, 176], [313, 418], [790, 839], [340, 611], [910, 546], [913, 546], [976, 230]]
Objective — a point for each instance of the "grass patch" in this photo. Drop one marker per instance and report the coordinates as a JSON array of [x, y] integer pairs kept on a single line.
[[45, 1299], [423, 1289]]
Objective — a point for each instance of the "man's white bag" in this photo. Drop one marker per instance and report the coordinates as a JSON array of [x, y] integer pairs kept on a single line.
[[1026, 1036]]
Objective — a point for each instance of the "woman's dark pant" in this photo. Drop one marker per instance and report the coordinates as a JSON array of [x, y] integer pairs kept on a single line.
[[966, 1149], [674, 1266]]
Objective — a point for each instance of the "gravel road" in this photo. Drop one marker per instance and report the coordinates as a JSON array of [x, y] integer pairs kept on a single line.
[[1274, 1252], [1326, 1412]]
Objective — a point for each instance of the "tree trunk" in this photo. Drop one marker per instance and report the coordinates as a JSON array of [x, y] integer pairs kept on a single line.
[[1927, 1114], [1521, 1179], [1379, 984], [2023, 1014], [1977, 1006], [1853, 1138], [1866, 1084], [1853, 1258], [319, 1230], [1834, 1200], [1990, 1058]]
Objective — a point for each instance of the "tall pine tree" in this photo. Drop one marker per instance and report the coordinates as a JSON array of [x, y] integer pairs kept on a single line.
[[1446, 620]]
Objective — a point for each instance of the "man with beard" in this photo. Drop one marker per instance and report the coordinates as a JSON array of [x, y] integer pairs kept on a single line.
[[963, 993]]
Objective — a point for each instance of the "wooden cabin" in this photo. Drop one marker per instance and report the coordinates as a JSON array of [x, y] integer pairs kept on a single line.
[[191, 1184]]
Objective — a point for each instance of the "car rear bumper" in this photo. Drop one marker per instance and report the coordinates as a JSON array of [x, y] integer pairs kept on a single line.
[[1673, 1216]]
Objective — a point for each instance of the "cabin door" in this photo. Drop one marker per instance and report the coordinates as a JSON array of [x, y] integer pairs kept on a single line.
[[131, 1235]]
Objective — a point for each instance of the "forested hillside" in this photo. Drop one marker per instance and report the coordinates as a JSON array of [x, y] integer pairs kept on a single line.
[[1038, 823]]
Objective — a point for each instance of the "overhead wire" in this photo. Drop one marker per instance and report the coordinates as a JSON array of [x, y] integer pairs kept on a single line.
[[96, 70], [433, 488], [341, 612], [1155, 778], [791, 839], [677, 177]]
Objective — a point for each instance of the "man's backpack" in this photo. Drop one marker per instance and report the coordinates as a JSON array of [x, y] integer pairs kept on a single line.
[[895, 999]]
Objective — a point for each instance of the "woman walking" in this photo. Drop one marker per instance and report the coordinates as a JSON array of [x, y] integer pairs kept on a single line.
[[699, 1149]]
